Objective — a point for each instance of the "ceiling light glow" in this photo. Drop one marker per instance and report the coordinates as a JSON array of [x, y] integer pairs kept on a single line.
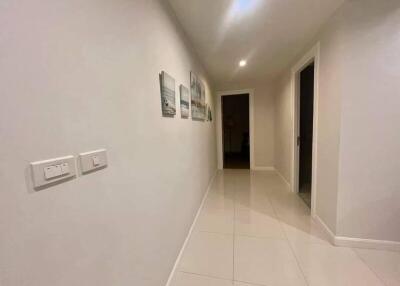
[[242, 63], [243, 6]]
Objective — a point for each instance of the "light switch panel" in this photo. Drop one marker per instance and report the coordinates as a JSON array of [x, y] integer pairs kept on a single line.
[[53, 170], [93, 160]]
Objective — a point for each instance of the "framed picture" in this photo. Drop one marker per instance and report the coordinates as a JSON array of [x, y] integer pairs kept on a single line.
[[198, 98], [184, 92], [167, 86]]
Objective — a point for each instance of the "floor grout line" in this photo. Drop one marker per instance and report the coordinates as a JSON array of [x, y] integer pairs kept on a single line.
[[287, 239], [215, 232], [204, 275], [261, 237], [219, 278], [250, 283], [370, 268]]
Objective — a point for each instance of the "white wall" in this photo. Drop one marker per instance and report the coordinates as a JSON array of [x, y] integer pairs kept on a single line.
[[369, 181], [358, 123], [283, 119], [263, 126], [263, 120], [80, 75]]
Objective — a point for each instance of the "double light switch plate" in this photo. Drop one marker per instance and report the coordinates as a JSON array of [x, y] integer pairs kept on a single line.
[[54, 170]]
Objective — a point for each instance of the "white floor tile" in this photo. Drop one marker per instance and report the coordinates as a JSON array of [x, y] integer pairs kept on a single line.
[[253, 223], [209, 254], [333, 266], [215, 220], [254, 231], [385, 264], [188, 279], [266, 262], [305, 233], [258, 202], [224, 201], [289, 206]]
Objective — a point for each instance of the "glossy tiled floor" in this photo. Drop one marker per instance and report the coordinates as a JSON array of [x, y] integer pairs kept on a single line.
[[253, 231]]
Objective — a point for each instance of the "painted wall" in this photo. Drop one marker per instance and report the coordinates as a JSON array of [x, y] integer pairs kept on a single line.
[[358, 121], [369, 181], [263, 120], [80, 75], [263, 126], [283, 118]]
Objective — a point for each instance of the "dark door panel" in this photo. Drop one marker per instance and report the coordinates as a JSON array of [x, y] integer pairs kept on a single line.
[[306, 132], [235, 122]]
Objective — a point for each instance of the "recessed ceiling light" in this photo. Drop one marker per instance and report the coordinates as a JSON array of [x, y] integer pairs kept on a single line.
[[242, 63]]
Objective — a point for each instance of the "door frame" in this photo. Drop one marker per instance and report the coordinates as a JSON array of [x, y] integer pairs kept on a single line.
[[220, 148], [311, 56]]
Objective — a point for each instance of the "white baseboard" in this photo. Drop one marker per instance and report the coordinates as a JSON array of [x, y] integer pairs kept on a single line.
[[328, 231], [260, 168], [357, 242], [171, 275], [283, 178], [367, 243]]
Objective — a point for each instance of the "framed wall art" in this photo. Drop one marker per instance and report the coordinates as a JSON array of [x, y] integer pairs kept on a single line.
[[198, 98], [167, 86], [185, 103]]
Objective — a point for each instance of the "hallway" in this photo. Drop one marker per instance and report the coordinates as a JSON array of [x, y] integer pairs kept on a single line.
[[252, 229], [162, 143]]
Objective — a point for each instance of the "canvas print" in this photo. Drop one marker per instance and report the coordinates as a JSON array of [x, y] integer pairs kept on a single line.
[[167, 85], [198, 98], [184, 91]]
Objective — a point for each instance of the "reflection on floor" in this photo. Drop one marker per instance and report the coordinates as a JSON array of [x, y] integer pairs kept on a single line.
[[253, 231], [306, 197], [236, 161]]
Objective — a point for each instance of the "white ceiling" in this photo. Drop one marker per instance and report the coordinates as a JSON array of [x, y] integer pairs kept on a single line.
[[269, 34]]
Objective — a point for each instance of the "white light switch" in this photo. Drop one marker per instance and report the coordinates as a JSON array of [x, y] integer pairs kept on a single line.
[[65, 169], [53, 170], [96, 161], [48, 172], [93, 160]]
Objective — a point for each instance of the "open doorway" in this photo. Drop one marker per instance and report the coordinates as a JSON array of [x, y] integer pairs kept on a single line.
[[305, 132], [236, 131], [305, 96]]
